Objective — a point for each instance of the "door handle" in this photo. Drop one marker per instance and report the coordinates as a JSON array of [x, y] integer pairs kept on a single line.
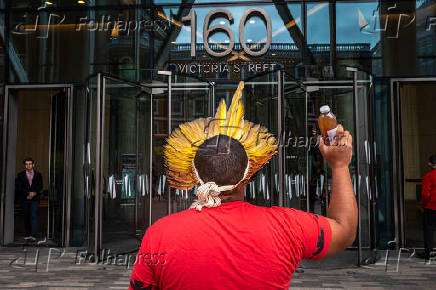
[[112, 187], [87, 179]]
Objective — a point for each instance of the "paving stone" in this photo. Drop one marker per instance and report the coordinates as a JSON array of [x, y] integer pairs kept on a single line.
[[65, 273]]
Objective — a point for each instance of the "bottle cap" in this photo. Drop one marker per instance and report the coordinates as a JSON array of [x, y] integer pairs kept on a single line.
[[324, 109]]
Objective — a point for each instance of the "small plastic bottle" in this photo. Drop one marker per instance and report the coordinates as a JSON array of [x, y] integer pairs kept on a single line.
[[327, 123]]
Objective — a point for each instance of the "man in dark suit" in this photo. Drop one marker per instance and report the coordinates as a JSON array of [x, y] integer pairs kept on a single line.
[[28, 188]]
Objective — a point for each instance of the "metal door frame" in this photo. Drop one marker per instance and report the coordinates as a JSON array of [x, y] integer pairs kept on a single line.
[[69, 91], [397, 154]]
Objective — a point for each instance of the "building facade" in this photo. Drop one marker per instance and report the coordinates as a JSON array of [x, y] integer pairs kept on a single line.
[[91, 89]]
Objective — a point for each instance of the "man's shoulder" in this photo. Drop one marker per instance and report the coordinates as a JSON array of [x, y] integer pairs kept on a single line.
[[430, 175], [287, 210], [179, 218], [21, 173], [292, 215]]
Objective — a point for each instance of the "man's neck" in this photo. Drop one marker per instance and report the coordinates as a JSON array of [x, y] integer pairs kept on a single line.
[[236, 194], [29, 171], [225, 199]]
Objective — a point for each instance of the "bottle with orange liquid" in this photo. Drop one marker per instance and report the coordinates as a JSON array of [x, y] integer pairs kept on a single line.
[[327, 123]]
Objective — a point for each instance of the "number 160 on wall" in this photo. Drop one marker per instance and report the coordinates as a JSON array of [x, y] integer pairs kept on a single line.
[[208, 31]]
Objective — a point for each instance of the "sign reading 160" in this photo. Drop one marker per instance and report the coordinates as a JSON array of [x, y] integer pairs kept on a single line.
[[209, 31]]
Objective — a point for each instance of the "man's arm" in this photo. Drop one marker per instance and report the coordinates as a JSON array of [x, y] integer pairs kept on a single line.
[[22, 191], [39, 185], [342, 211]]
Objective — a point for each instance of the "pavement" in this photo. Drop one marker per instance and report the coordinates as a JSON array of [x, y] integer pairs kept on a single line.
[[73, 268]]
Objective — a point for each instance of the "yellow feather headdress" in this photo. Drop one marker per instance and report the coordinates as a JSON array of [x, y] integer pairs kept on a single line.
[[183, 143]]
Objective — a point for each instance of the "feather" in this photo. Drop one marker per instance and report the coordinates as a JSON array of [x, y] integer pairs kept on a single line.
[[236, 112], [221, 116]]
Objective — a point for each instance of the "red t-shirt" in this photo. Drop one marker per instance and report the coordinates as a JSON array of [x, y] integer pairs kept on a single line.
[[429, 190], [234, 246]]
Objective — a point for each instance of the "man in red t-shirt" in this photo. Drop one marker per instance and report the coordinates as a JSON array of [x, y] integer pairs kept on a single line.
[[238, 245], [428, 203], [223, 242]]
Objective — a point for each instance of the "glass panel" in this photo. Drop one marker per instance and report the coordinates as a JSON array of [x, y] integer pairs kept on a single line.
[[69, 3], [318, 32], [80, 167], [340, 101], [416, 104], [295, 150], [190, 100], [358, 35], [365, 139], [57, 152], [122, 196], [90, 163], [261, 107], [308, 178], [160, 202], [425, 37], [143, 149], [364, 93], [383, 162], [67, 46]]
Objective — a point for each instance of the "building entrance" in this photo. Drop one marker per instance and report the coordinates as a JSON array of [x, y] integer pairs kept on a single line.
[[416, 103], [127, 124], [298, 177], [37, 125]]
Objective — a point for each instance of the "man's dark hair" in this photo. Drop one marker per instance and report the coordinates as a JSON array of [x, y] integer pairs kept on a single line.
[[432, 159], [28, 159], [221, 159]]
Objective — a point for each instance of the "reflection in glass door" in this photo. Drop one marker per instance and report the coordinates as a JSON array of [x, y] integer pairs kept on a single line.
[[123, 189], [117, 165], [295, 133], [261, 95]]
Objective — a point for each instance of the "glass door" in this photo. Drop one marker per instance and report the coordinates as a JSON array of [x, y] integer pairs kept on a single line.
[[125, 113], [365, 162], [191, 98], [307, 177], [350, 101], [263, 106], [117, 166], [56, 193], [296, 133], [340, 100]]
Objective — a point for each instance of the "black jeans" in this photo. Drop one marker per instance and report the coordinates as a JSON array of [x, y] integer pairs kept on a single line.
[[429, 228], [30, 208]]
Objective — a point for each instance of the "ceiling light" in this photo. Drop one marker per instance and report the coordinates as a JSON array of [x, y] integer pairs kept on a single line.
[[226, 41], [249, 40], [273, 54], [222, 22], [252, 21], [81, 2], [48, 3]]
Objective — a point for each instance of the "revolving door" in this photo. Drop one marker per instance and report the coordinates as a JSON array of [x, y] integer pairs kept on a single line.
[[124, 180], [128, 123], [297, 176]]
